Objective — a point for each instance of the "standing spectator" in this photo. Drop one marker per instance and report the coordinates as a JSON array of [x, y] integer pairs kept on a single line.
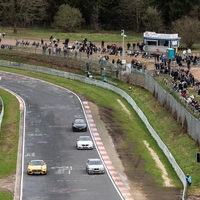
[[192, 79], [169, 65], [102, 44], [157, 66], [175, 75], [188, 63], [162, 58], [66, 42], [117, 73], [49, 51], [178, 59], [42, 42], [113, 63], [128, 45], [134, 46], [118, 63], [195, 61], [88, 52], [188, 179], [189, 52], [184, 54], [51, 38], [91, 52], [138, 44], [85, 41], [104, 79]]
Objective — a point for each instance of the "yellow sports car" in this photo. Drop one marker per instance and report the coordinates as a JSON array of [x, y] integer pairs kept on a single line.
[[36, 167]]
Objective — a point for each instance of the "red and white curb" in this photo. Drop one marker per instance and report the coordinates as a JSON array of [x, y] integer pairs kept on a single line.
[[113, 172], [21, 103]]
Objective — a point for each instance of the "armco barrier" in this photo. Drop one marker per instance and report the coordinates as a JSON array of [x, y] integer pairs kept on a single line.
[[102, 84], [2, 111]]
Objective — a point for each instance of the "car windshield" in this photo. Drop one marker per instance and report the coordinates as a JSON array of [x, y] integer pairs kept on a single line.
[[79, 121], [37, 162], [84, 138], [95, 162]]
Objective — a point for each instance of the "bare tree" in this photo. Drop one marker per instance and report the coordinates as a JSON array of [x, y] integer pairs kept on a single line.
[[189, 30], [21, 12]]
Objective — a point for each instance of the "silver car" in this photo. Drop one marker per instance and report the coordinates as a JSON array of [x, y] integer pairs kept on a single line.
[[94, 166], [84, 142]]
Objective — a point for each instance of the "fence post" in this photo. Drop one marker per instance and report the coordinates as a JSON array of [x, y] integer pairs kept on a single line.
[[80, 60]]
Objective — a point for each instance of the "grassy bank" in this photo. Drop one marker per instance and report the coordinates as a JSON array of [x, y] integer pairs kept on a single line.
[[110, 36], [9, 138], [9, 134]]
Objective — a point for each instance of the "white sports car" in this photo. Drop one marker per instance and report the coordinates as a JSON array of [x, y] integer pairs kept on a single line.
[[84, 142]]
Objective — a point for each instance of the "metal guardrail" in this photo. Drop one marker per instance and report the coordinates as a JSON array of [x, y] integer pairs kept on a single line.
[[117, 90], [2, 111]]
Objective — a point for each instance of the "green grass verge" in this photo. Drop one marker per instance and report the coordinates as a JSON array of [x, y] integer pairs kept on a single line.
[[9, 134], [108, 36], [9, 138], [6, 196]]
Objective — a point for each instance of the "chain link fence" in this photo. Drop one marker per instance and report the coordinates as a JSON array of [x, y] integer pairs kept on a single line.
[[190, 123]]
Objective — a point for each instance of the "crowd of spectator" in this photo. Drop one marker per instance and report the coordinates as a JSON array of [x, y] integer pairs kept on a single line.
[[186, 58], [183, 79], [53, 46]]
